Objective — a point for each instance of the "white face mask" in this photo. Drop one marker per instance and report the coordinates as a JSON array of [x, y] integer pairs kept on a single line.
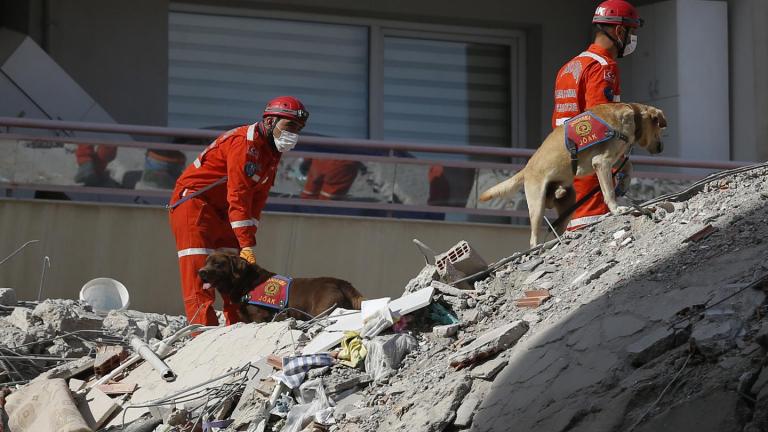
[[286, 141], [630, 47]]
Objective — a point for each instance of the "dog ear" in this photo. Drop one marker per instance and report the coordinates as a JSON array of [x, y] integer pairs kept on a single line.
[[659, 119]]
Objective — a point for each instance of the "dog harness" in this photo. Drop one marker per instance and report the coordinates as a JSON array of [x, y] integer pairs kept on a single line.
[[584, 131], [587, 129], [272, 293]]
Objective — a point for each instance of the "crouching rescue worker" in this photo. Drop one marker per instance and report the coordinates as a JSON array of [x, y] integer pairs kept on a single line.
[[218, 199], [592, 78]]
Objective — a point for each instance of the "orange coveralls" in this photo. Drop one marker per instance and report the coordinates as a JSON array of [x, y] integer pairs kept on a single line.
[[223, 217], [589, 79], [330, 179]]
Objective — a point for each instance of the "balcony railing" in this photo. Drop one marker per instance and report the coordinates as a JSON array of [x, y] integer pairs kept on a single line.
[[391, 179]]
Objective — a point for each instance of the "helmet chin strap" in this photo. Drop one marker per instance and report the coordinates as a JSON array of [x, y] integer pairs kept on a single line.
[[619, 44]]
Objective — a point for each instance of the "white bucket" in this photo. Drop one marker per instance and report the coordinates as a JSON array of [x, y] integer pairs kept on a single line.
[[105, 294]]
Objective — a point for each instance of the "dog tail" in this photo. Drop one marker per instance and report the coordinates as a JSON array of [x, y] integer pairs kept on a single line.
[[507, 187], [352, 295]]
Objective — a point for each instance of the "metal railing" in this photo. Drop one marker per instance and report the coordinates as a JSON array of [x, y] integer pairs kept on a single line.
[[389, 153]]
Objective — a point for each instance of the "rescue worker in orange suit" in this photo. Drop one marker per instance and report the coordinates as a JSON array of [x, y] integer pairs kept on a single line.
[[92, 164], [590, 79], [330, 179], [218, 199]]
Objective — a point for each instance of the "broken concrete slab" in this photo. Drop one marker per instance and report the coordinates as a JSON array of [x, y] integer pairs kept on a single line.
[[29, 408], [411, 302], [11, 336], [530, 265], [489, 344], [96, 407], [209, 355], [452, 291], [338, 384], [423, 280], [7, 297], [468, 408], [66, 316], [68, 370], [429, 410], [652, 344], [588, 276], [23, 319], [488, 370], [446, 330]]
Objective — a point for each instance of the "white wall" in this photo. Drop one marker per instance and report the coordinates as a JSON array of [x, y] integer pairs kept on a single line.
[[134, 245]]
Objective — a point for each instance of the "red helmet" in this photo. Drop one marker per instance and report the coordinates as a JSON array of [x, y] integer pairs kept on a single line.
[[287, 107], [617, 12]]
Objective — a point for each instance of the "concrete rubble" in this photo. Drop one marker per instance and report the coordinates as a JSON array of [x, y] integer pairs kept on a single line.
[[637, 323]]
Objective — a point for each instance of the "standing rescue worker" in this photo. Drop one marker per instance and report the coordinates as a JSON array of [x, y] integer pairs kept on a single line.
[[218, 199], [592, 78]]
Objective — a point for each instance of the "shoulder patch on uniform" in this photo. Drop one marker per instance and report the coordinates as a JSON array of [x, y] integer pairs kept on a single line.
[[609, 75], [574, 68], [253, 151]]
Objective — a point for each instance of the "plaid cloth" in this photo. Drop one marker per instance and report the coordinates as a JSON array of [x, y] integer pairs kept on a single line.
[[295, 368]]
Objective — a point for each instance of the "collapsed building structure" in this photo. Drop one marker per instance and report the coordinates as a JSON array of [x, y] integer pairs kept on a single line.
[[649, 321]]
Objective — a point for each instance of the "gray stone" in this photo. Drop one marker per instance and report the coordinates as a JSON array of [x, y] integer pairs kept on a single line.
[[68, 370], [466, 411], [490, 343], [489, 369], [530, 265], [66, 316], [7, 297], [317, 372], [423, 280], [446, 330], [713, 337], [531, 317], [12, 337], [447, 289], [340, 384], [588, 276], [430, 410], [471, 316], [23, 319], [761, 383], [455, 303], [762, 335], [359, 414], [654, 343], [534, 276]]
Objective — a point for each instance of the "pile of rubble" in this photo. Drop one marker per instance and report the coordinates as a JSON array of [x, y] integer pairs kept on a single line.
[[651, 321]]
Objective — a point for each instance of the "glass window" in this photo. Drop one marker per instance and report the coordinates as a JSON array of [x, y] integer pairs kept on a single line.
[[223, 69], [446, 92]]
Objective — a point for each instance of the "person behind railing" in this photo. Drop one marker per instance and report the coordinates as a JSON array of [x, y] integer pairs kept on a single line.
[[592, 78], [218, 199], [92, 164], [329, 179]]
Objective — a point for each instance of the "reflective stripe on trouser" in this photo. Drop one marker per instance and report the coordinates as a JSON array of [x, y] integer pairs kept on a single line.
[[591, 210], [198, 232]]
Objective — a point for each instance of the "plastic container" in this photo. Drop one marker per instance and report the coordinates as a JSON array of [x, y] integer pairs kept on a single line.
[[105, 294]]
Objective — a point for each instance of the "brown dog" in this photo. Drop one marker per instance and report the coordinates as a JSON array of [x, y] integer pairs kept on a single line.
[[548, 175], [234, 277]]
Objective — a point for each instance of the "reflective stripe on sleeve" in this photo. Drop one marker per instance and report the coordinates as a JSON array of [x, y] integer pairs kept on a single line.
[[245, 223]]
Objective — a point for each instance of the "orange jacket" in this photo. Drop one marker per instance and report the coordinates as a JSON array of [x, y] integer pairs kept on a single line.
[[591, 78], [249, 162]]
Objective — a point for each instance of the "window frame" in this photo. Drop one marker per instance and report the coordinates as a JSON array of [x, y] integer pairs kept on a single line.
[[378, 29]]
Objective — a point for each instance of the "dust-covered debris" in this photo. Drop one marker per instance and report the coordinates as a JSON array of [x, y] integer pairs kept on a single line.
[[637, 323]]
